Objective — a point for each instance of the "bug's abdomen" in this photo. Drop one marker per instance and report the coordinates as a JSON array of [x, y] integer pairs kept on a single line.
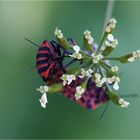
[[47, 64], [93, 96]]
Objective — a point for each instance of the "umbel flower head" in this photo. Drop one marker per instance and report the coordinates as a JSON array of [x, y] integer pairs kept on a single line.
[[92, 80]]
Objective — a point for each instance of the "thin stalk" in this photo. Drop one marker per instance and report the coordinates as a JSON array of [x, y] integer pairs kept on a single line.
[[108, 14], [112, 58], [103, 74]]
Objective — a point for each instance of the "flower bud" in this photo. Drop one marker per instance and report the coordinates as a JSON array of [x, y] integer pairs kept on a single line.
[[61, 39], [126, 58], [88, 40], [114, 97]]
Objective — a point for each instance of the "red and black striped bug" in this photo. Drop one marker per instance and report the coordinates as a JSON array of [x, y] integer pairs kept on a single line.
[[49, 61], [93, 96]]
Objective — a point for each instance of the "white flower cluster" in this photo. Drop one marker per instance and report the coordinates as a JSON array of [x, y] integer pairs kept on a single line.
[[136, 54], [58, 33], [88, 36], [76, 54], [115, 80], [111, 42], [114, 69], [87, 73], [43, 100], [79, 92], [123, 103], [96, 58], [111, 25], [67, 79], [98, 80]]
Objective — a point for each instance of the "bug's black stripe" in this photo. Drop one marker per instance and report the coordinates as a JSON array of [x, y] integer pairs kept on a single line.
[[45, 49], [43, 69], [40, 62], [43, 55]]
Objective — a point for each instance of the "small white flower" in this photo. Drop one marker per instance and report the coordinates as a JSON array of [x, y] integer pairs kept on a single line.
[[111, 41], [99, 82], [43, 100], [76, 54], [97, 75], [96, 58], [89, 73], [123, 103], [114, 69], [58, 33], [115, 80], [83, 73], [136, 54], [43, 89], [79, 92], [111, 25], [110, 37], [131, 59], [76, 48], [67, 79], [88, 36], [90, 40], [108, 29]]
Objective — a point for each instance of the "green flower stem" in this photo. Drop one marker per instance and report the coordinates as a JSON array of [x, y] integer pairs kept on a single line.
[[55, 88], [112, 95], [112, 58], [101, 42], [105, 64]]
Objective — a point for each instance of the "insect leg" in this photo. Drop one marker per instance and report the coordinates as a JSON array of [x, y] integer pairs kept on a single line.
[[105, 110]]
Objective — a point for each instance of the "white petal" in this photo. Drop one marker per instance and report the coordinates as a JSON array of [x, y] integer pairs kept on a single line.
[[121, 101], [76, 48], [116, 86], [46, 88], [95, 61], [79, 56], [77, 96], [90, 40], [97, 75], [107, 43], [43, 100], [110, 80], [92, 55], [113, 20], [131, 59], [110, 37], [87, 32], [69, 81], [108, 29]]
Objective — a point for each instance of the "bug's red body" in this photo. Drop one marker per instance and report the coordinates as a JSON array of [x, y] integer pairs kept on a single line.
[[48, 64], [93, 96]]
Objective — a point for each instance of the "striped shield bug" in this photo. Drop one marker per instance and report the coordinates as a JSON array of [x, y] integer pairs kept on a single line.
[[49, 62]]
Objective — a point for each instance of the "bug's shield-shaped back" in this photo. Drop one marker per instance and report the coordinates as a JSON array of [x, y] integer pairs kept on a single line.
[[93, 96]]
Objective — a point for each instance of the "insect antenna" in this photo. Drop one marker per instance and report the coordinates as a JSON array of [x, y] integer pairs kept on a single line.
[[31, 42], [104, 111], [130, 95]]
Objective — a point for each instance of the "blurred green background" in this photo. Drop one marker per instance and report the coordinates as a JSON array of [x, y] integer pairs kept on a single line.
[[20, 113]]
